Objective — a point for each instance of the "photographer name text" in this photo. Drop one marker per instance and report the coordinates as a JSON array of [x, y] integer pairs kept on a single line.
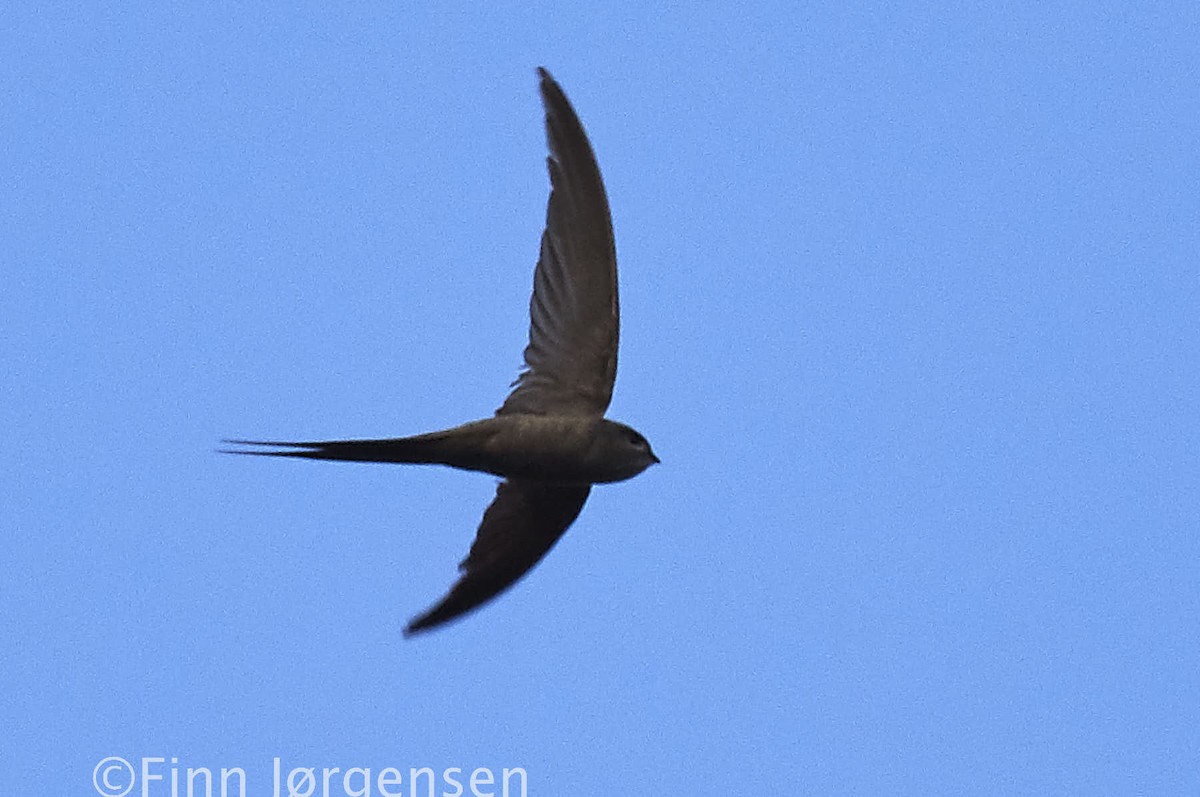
[[153, 776]]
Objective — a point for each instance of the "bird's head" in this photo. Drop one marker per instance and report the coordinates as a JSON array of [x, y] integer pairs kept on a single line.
[[620, 452]]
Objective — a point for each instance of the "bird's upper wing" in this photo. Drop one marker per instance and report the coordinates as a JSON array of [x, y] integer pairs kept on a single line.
[[523, 522], [571, 359]]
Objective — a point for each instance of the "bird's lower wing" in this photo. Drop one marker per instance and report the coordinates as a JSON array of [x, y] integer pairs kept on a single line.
[[523, 522]]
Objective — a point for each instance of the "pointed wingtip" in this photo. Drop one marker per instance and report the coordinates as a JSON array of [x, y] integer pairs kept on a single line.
[[418, 626], [442, 613], [546, 81]]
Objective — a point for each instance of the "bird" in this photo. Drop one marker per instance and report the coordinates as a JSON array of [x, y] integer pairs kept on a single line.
[[550, 441]]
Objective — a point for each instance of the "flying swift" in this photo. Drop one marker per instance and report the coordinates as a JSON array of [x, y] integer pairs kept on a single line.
[[549, 441]]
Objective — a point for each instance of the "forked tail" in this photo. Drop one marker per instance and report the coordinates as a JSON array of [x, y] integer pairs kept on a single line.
[[419, 449]]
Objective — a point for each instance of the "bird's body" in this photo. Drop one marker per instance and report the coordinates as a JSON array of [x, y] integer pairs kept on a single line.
[[550, 441], [557, 449]]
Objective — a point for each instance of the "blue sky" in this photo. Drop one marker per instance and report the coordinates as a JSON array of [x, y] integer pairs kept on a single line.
[[910, 315]]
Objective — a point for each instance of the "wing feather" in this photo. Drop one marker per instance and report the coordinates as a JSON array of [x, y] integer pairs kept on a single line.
[[574, 317], [521, 525]]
